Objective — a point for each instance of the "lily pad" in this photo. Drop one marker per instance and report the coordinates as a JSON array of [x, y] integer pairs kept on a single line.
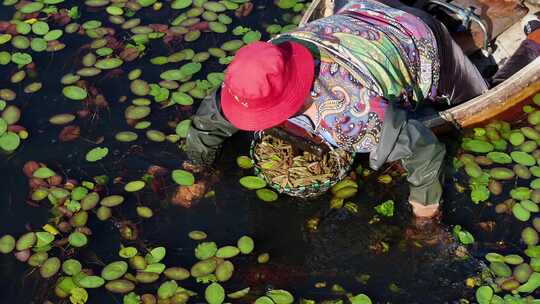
[[3, 126], [75, 92], [155, 268], [245, 244], [114, 270], [244, 162], [167, 289], [205, 250], [197, 235], [252, 182], [114, 10], [91, 282], [9, 141], [109, 63], [43, 238], [251, 36], [239, 294], [32, 7], [182, 128], [267, 195], [137, 112], [5, 38], [181, 4], [155, 135], [126, 136], [191, 68], [172, 75], [7, 244], [71, 267], [112, 200], [182, 98], [139, 87], [128, 252], [43, 173], [156, 255], [77, 239], [21, 59], [217, 27], [53, 35], [280, 296], [214, 294], [96, 154], [484, 295], [62, 119], [40, 28], [134, 186], [50, 267], [183, 177]]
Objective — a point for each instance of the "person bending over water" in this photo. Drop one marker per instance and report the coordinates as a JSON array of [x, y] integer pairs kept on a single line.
[[356, 79]]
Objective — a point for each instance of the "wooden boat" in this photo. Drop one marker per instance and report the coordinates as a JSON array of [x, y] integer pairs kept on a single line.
[[503, 101]]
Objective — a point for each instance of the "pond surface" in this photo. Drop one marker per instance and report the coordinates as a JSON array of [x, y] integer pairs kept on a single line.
[[347, 248]]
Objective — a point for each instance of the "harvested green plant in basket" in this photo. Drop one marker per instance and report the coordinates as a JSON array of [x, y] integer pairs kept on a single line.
[[295, 172]]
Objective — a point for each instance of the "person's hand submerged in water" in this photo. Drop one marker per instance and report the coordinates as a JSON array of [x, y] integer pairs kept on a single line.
[[356, 91]]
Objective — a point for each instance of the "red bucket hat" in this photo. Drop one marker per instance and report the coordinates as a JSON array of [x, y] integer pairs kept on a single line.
[[266, 84]]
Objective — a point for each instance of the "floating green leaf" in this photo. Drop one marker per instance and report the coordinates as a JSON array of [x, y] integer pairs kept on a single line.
[[155, 255], [109, 63], [50, 267], [71, 267], [131, 298], [484, 295], [267, 195], [114, 270], [134, 186], [240, 30], [53, 35], [181, 4], [183, 127], [183, 177], [44, 238], [205, 250], [7, 244], [31, 7], [197, 235], [40, 28], [280, 296], [43, 172], [74, 92], [386, 208], [91, 282], [239, 294], [190, 68], [96, 154], [214, 294], [21, 59], [77, 239], [9, 141], [464, 237], [245, 244], [155, 268], [128, 252], [167, 289], [251, 36], [252, 182], [360, 299]]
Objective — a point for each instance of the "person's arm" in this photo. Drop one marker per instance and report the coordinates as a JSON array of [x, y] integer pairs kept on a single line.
[[208, 130], [420, 153]]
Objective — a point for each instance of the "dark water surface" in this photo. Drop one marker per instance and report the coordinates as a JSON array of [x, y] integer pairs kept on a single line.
[[340, 251]]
